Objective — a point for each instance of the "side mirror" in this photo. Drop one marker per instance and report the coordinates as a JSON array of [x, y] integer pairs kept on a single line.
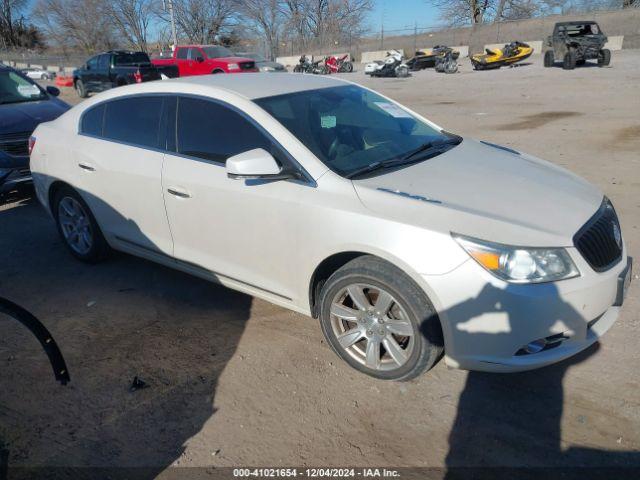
[[255, 164], [53, 91], [199, 59]]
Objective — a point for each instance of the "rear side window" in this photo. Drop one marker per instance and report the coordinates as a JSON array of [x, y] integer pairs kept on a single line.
[[91, 123], [214, 132], [134, 120], [103, 62]]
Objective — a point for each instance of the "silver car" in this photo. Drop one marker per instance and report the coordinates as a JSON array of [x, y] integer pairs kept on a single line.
[[406, 242]]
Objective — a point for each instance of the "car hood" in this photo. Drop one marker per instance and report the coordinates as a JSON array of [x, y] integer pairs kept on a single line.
[[25, 117], [487, 192], [266, 63]]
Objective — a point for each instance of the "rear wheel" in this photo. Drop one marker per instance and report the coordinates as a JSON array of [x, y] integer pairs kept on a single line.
[[569, 61], [549, 58], [78, 228], [379, 321], [604, 57], [81, 90], [347, 67]]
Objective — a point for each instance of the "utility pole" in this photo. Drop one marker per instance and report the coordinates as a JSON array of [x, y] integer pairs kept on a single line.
[[168, 5]]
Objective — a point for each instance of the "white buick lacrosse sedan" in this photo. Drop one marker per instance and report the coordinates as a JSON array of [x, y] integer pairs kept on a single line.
[[406, 241]]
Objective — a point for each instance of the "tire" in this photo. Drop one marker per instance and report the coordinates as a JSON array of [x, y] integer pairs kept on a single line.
[[402, 71], [549, 58], [81, 90], [410, 327], [72, 215], [44, 77], [297, 69], [569, 61], [450, 66], [347, 67], [604, 57]]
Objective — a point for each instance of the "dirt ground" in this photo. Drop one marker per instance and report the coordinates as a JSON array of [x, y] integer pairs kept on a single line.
[[235, 381]]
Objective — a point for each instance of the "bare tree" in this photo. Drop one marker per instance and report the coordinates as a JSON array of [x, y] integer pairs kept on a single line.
[[463, 12], [266, 18], [76, 24], [132, 19], [202, 20], [516, 9], [10, 16]]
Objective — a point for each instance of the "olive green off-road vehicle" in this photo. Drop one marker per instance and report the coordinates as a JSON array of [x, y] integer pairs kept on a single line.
[[576, 42]]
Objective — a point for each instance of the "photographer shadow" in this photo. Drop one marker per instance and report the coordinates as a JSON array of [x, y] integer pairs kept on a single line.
[[510, 425]]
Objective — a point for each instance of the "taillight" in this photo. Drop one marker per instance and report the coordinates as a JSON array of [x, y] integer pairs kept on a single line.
[[137, 76], [32, 143]]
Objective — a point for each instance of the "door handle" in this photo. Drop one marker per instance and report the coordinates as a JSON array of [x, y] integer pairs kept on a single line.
[[86, 166], [178, 192]]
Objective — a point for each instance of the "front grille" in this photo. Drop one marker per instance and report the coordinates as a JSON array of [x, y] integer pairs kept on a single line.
[[16, 144], [600, 239], [247, 65]]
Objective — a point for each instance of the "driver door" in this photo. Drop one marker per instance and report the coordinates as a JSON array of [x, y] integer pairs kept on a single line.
[[238, 230]]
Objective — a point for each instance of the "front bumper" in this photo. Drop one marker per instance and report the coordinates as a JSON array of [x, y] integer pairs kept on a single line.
[[486, 322]]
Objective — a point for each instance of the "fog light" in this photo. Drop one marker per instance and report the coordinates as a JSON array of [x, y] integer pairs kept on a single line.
[[541, 344], [534, 347]]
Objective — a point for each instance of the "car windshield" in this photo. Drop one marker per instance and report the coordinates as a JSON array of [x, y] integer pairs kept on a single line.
[[131, 58], [350, 129], [217, 52], [17, 89]]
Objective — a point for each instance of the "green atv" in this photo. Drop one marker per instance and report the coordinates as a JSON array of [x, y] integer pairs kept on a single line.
[[576, 42]]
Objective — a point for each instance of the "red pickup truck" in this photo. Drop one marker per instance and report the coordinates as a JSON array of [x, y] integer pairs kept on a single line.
[[206, 59]]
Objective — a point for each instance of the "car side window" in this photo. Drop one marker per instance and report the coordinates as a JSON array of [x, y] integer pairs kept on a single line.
[[92, 63], [134, 120], [212, 131], [92, 120], [103, 62], [182, 53]]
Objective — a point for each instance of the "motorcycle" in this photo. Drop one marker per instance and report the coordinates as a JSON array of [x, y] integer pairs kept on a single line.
[[306, 65], [392, 66], [338, 65], [448, 62]]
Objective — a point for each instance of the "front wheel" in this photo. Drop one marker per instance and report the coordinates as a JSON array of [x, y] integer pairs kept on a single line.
[[549, 58], [569, 61], [347, 67], [81, 90], [604, 57], [78, 227], [379, 321]]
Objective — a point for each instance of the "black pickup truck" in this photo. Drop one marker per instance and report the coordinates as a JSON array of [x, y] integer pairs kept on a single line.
[[114, 69]]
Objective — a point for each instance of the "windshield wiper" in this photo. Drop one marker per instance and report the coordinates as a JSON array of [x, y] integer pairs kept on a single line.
[[406, 159]]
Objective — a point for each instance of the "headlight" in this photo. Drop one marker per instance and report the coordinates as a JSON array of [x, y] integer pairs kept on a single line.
[[520, 265], [267, 69], [233, 66]]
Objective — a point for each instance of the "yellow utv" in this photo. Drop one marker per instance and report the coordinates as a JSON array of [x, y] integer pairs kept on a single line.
[[511, 53]]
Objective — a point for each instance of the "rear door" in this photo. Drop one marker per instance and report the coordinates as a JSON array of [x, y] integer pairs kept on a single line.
[[103, 73], [230, 229], [119, 155]]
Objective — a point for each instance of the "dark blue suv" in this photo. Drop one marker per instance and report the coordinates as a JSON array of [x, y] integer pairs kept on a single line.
[[23, 105]]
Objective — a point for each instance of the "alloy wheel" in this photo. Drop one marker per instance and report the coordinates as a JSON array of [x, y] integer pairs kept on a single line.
[[372, 327], [75, 225]]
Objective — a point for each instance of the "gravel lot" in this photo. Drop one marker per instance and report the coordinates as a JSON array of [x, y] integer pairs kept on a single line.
[[235, 381]]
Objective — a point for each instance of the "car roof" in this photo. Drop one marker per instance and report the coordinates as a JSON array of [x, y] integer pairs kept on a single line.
[[576, 22], [259, 85]]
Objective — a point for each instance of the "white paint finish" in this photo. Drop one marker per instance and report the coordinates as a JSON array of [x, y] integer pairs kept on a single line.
[[367, 57], [252, 163], [266, 238]]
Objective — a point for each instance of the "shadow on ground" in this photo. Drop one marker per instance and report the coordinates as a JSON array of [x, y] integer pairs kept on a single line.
[[96, 421]]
